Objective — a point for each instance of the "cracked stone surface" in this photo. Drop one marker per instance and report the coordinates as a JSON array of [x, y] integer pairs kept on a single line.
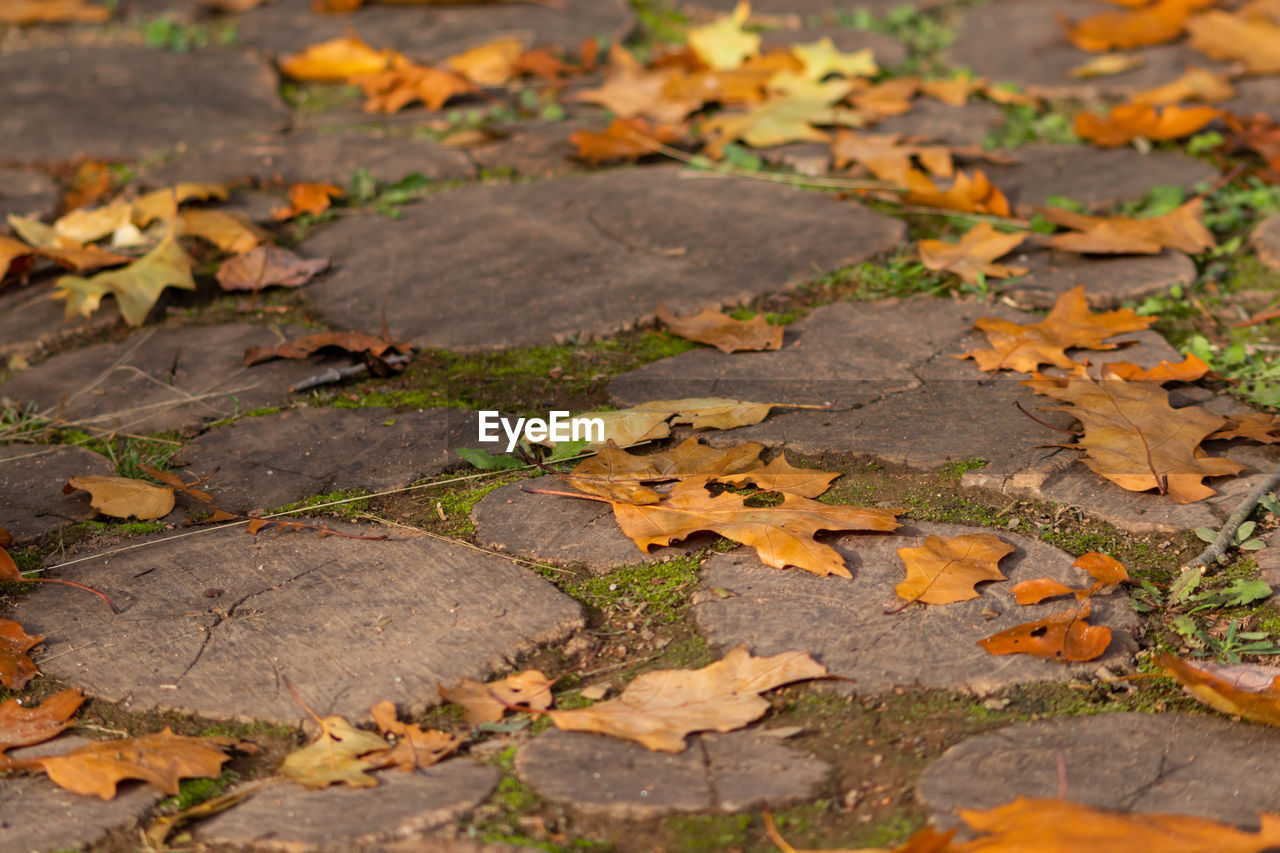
[[562, 530], [1266, 241], [165, 379], [289, 818], [619, 779], [31, 481], [123, 102], [211, 622], [843, 624], [1207, 766], [32, 322], [277, 459], [594, 255], [887, 371], [36, 814], [1110, 281], [931, 119], [1021, 41], [24, 193]]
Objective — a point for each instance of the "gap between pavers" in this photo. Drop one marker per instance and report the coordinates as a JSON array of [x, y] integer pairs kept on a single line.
[[1110, 281], [31, 481]]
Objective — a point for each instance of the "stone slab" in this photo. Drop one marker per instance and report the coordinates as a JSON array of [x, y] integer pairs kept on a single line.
[[32, 322], [844, 625], [277, 459], [532, 149], [31, 481], [1266, 241], [1110, 280], [26, 193], [562, 530], [165, 379], [124, 102], [211, 623], [588, 256], [823, 11], [1021, 41], [931, 119], [1207, 766], [1253, 96], [618, 779], [288, 818]]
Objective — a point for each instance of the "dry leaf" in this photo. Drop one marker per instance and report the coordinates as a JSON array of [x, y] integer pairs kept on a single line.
[[889, 157], [16, 669], [630, 90], [822, 58], [1127, 122], [723, 332], [1069, 325], [160, 760], [414, 749], [1251, 39], [230, 232], [122, 497], [1247, 690], [50, 12], [308, 198], [1195, 84], [335, 757], [966, 194], [352, 342], [623, 139], [268, 266], [888, 98], [488, 703], [489, 64], [160, 204], [392, 91], [659, 709], [1188, 370], [946, 570], [974, 254], [1102, 568], [22, 726], [1181, 229], [1065, 636], [1038, 589], [1258, 426], [88, 225], [1160, 22], [782, 119], [338, 60], [781, 476], [1106, 571], [620, 476], [725, 43], [6, 538], [651, 421], [1106, 65]]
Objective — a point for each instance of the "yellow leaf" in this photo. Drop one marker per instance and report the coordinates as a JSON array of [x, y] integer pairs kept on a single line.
[[489, 64], [822, 57], [123, 497], [159, 204], [974, 254], [337, 60], [228, 231], [1107, 64], [942, 571], [335, 757], [725, 44], [136, 287]]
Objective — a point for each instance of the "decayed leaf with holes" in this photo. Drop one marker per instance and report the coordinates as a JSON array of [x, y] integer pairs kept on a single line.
[[335, 757], [1065, 636], [308, 198], [781, 535], [1127, 122], [946, 570], [723, 332], [228, 231], [725, 43], [659, 709], [781, 476], [337, 60], [352, 342], [974, 254], [1251, 39], [16, 668], [122, 497], [631, 90], [489, 702], [967, 194], [623, 139], [1249, 690], [490, 64], [620, 476], [1069, 325], [268, 266], [1258, 426], [1195, 84], [822, 58], [1135, 439], [23, 726], [160, 760], [1189, 369], [414, 749], [1180, 229], [24, 12], [1114, 30]]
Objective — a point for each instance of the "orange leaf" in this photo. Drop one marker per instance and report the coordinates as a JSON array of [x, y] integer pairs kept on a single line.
[[1130, 121], [338, 60], [969, 195], [488, 703], [1251, 39], [723, 332], [942, 571], [624, 139], [23, 726], [1103, 569], [1181, 229], [1037, 590], [630, 90], [392, 91], [1249, 690], [489, 64], [1063, 636], [16, 669], [50, 12], [1160, 22], [1195, 84], [1188, 370], [973, 255], [158, 759], [415, 748], [781, 476], [1258, 426], [615, 474], [308, 198]]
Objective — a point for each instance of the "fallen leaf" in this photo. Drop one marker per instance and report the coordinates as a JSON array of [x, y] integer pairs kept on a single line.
[[230, 232], [122, 497], [338, 60], [488, 703], [392, 91], [659, 709], [623, 139], [352, 342], [1249, 690], [974, 254], [946, 570], [1181, 229], [335, 757], [6, 538], [615, 474], [489, 64], [542, 62], [725, 43], [1188, 370], [160, 204], [1259, 134], [50, 12], [1257, 426], [822, 58], [1069, 325], [1251, 39], [1127, 122], [781, 119], [781, 476], [414, 749], [1106, 65], [1065, 636], [160, 760], [78, 227], [967, 194], [1195, 84], [1160, 22], [308, 198], [653, 420], [1102, 568], [1106, 571], [84, 258], [723, 332], [23, 726], [954, 91], [1038, 589], [631, 90], [888, 98], [1135, 439], [16, 669], [15, 257], [888, 157], [268, 266]]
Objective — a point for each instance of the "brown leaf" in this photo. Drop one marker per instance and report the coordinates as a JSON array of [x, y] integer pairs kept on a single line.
[[1180, 229], [659, 709], [335, 757], [268, 266], [1063, 636], [1188, 370], [392, 91], [653, 420], [1195, 84], [122, 497], [781, 476], [1127, 122], [6, 538], [414, 749], [23, 12], [159, 759], [352, 342], [1102, 568], [967, 194], [630, 91], [624, 139], [175, 482], [307, 198], [1248, 690], [161, 203], [723, 332], [973, 255], [488, 703], [1069, 325], [1258, 426], [490, 64], [230, 232], [1106, 571], [1107, 64], [16, 669], [615, 474], [942, 571], [22, 726], [1243, 37]]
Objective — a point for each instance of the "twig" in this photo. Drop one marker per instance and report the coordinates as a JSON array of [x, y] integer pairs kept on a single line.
[[337, 374], [1227, 535]]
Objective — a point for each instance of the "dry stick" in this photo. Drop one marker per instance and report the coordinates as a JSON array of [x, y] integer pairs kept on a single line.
[[337, 374], [1217, 549]]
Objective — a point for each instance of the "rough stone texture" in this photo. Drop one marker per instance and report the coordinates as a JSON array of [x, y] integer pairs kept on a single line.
[[328, 157], [802, 10], [587, 256], [213, 622], [26, 193], [1253, 96], [1094, 177], [1266, 241], [36, 814], [845, 626], [562, 530], [888, 372], [165, 379], [1021, 41], [934, 120], [1207, 766], [277, 459], [1110, 280], [618, 779], [532, 149], [290, 818], [31, 481], [32, 321], [123, 102], [430, 33]]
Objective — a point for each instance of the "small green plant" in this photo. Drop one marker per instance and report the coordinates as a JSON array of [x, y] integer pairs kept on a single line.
[[1024, 125], [1233, 644], [366, 191], [167, 34], [926, 35], [1242, 537], [1239, 203]]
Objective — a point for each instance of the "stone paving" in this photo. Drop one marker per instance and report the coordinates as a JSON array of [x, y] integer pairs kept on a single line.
[[527, 280]]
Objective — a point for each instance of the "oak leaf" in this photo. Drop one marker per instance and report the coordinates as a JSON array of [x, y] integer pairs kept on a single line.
[[23, 726], [160, 760], [308, 198], [723, 332], [620, 476], [631, 90], [725, 43], [781, 476], [1248, 38], [1258, 426], [1248, 690], [1160, 22], [23, 12], [122, 497], [1069, 325], [16, 668], [335, 757], [659, 709], [623, 139], [1195, 84], [1127, 122], [352, 342], [1065, 636], [946, 570], [414, 749], [489, 702], [490, 64], [973, 255], [268, 266], [1180, 229], [1189, 369], [338, 60], [653, 420]]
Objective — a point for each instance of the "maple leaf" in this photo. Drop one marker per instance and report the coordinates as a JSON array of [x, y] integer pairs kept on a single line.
[[338, 60], [1160, 22], [23, 726], [723, 332], [230, 232], [490, 64], [781, 476], [414, 749], [659, 709], [335, 757], [122, 497], [160, 760], [488, 703], [1180, 229], [308, 198], [1106, 65], [1065, 636], [23, 12], [16, 669], [1249, 690], [954, 91], [966, 194], [781, 119], [723, 44], [352, 342], [1127, 122], [1248, 38], [889, 158], [268, 266], [973, 255], [631, 90], [615, 474], [1135, 439], [623, 139], [822, 58], [943, 571], [1195, 84], [1069, 325], [1188, 370]]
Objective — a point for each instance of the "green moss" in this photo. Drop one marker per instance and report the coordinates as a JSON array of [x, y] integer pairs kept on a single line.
[[897, 276], [122, 528], [658, 592], [706, 833], [248, 731], [893, 831], [350, 508], [954, 510], [456, 504], [314, 98], [957, 468], [263, 412], [193, 792]]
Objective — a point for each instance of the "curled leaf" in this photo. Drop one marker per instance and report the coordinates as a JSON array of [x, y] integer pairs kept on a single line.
[[723, 332], [1065, 636]]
